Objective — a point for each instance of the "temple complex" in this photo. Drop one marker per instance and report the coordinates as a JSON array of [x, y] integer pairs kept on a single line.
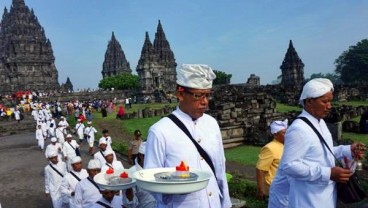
[[115, 61], [67, 86], [27, 61], [157, 67], [292, 69]]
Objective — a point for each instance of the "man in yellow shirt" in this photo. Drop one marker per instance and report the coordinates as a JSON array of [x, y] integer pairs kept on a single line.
[[269, 158]]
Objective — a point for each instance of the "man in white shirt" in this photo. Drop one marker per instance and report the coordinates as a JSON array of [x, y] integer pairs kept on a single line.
[[307, 175], [110, 161], [40, 138], [59, 133], [167, 145], [64, 124], [105, 135], [54, 173], [54, 146], [71, 179], [90, 131], [87, 191], [69, 150], [79, 130]]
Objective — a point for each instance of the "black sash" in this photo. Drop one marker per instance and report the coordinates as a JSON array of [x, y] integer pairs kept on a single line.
[[56, 170], [103, 204], [94, 183], [201, 151], [109, 165], [102, 153], [71, 145], [75, 176]]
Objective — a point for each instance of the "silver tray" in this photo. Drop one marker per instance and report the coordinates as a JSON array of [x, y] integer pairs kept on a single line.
[[171, 177]]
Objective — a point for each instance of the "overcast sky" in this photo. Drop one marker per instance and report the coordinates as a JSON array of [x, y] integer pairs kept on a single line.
[[240, 37]]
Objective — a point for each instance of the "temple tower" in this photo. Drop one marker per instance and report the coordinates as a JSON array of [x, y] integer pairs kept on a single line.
[[26, 56], [115, 61], [157, 67], [292, 69]]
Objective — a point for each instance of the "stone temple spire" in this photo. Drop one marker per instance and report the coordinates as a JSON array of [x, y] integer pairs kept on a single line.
[[26, 56], [115, 61], [147, 53], [18, 3], [292, 69], [162, 48]]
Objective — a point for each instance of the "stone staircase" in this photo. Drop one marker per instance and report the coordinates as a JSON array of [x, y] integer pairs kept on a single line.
[[11, 127]]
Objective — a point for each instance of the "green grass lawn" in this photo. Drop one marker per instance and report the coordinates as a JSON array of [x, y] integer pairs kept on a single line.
[[246, 155]]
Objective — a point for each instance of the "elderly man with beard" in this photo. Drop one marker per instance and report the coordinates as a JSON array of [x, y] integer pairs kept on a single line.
[[307, 174]]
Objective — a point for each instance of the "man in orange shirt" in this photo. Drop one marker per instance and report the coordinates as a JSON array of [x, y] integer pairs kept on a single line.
[[269, 158]]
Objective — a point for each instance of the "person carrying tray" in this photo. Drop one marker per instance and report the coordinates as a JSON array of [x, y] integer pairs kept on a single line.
[[167, 144]]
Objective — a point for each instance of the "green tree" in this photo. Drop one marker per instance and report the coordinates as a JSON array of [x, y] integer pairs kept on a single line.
[[352, 65], [335, 79], [121, 81], [221, 78]]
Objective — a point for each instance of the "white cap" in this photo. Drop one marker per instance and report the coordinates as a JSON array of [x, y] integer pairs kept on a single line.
[[51, 154], [102, 141], [79, 120], [142, 147], [62, 117], [108, 152], [94, 164], [76, 159], [69, 136], [316, 88], [277, 126], [53, 139], [196, 76], [89, 122]]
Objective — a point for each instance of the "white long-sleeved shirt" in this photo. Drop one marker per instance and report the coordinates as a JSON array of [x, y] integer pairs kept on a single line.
[[68, 150], [60, 135], [307, 164], [115, 165], [57, 148], [90, 130], [115, 203], [39, 134], [79, 128], [86, 194], [53, 179], [69, 182], [167, 145]]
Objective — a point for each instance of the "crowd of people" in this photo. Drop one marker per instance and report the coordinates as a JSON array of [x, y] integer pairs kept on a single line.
[[294, 170], [66, 182]]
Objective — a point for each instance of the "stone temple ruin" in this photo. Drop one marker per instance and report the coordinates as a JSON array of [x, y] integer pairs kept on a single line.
[[115, 61], [156, 67], [26, 56]]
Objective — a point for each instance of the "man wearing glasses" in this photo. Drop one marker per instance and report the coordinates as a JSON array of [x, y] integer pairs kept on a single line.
[[167, 144]]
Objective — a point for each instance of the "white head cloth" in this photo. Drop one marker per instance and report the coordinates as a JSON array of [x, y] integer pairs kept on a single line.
[[76, 159], [108, 152], [196, 76], [94, 164], [89, 122], [53, 139], [102, 141], [277, 126], [69, 136], [316, 88], [52, 154]]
